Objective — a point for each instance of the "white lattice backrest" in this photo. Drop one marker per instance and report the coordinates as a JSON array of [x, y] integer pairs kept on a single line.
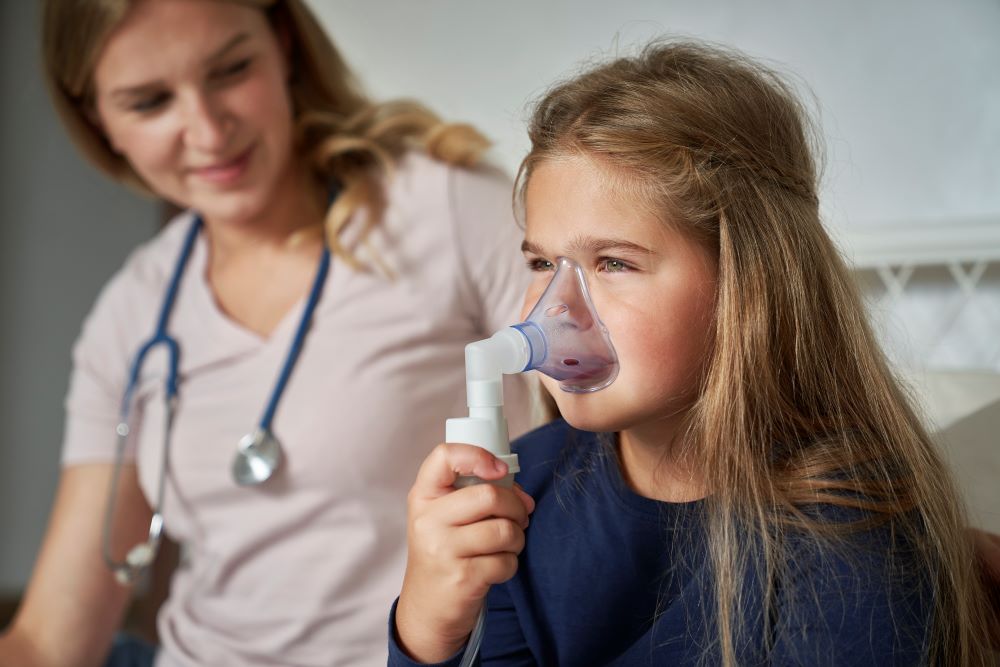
[[934, 292], [934, 296]]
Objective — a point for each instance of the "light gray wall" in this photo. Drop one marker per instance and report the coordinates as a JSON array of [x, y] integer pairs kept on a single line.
[[63, 230], [908, 90]]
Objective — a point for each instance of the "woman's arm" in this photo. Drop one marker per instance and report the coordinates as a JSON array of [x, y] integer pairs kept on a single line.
[[73, 605]]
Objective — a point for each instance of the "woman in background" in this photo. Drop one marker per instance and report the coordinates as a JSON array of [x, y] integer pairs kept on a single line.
[[243, 114]]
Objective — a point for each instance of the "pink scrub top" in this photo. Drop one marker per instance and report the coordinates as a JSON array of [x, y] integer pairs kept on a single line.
[[302, 570]]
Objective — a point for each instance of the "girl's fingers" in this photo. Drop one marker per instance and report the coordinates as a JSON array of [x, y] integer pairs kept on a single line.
[[487, 538], [447, 462], [493, 569], [475, 503], [529, 502]]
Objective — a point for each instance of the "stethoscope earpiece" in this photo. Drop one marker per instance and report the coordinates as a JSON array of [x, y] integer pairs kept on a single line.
[[125, 575], [138, 558], [141, 555]]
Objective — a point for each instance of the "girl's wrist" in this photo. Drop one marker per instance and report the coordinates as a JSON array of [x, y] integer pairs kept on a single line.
[[423, 637]]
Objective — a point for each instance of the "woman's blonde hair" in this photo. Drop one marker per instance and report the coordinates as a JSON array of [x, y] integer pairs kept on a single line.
[[798, 408], [342, 135]]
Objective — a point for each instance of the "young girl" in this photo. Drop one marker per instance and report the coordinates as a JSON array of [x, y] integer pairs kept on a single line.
[[753, 488]]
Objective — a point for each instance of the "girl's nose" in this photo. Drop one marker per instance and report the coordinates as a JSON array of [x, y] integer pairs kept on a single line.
[[568, 300], [572, 310]]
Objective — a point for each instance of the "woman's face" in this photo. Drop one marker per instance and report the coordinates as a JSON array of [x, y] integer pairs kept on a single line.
[[194, 95], [652, 286]]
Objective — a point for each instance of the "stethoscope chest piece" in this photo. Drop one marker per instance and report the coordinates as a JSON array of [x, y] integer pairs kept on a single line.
[[257, 458]]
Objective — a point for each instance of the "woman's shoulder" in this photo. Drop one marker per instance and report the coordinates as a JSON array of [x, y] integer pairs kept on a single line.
[[463, 219], [137, 285], [418, 168], [154, 260], [123, 315], [420, 182]]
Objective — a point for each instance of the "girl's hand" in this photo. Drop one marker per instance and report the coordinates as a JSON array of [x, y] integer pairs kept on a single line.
[[460, 542]]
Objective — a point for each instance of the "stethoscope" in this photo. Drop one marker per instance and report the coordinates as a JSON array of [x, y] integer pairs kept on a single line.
[[259, 453]]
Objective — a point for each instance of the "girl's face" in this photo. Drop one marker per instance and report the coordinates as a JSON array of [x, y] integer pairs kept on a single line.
[[652, 286], [194, 95]]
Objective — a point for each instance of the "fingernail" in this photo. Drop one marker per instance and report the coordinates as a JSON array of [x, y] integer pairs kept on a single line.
[[500, 466]]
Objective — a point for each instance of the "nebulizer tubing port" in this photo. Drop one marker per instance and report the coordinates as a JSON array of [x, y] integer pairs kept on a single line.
[[563, 338]]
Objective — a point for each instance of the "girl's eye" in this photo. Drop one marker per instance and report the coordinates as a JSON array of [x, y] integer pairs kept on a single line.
[[612, 265], [537, 264], [150, 103], [232, 70]]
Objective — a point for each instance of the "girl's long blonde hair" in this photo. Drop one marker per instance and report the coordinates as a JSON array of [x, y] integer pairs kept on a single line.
[[342, 135], [798, 407]]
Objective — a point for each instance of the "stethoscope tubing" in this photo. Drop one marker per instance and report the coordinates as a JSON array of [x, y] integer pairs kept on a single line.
[[296, 347], [126, 570]]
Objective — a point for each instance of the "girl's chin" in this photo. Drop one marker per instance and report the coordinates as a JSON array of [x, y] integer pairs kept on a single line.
[[589, 416]]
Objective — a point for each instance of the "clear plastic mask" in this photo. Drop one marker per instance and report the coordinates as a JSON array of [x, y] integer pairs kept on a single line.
[[568, 341]]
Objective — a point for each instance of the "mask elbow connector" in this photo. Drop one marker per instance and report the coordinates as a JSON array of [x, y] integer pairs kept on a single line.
[[486, 362]]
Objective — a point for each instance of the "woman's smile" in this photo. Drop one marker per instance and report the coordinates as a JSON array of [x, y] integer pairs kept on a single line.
[[225, 172]]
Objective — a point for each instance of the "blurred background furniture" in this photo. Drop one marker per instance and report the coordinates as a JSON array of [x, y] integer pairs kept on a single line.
[[934, 295]]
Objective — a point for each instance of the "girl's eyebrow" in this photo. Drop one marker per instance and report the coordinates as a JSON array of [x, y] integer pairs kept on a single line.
[[140, 89], [590, 244]]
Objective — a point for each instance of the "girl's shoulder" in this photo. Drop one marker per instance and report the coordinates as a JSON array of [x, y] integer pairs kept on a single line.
[[863, 597], [549, 449]]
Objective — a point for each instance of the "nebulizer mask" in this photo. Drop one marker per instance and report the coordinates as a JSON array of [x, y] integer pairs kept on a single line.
[[563, 338]]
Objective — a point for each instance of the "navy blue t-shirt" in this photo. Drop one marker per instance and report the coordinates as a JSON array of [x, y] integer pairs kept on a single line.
[[608, 577]]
